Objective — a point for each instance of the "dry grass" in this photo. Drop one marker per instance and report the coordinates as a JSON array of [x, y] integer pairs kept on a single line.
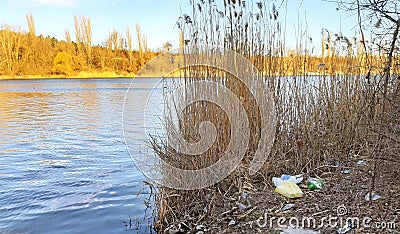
[[322, 121]]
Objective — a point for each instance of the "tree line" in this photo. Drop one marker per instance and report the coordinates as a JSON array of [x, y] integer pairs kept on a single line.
[[24, 53]]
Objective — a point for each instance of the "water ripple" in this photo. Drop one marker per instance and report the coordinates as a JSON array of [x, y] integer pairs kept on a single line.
[[63, 166]]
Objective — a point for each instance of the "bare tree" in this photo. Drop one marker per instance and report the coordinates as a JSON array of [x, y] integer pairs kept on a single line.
[[114, 42], [31, 45], [31, 24], [78, 34], [382, 17], [67, 36], [129, 46], [142, 43], [83, 35]]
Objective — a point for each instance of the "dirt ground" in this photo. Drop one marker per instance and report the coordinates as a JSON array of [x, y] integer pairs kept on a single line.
[[342, 198]]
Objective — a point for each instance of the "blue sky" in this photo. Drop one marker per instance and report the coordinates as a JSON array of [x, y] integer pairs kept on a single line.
[[156, 17]]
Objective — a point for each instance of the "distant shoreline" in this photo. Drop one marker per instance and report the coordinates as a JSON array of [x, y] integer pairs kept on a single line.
[[62, 78], [80, 75]]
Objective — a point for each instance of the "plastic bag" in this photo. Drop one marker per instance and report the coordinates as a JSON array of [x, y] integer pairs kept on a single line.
[[285, 177], [289, 189]]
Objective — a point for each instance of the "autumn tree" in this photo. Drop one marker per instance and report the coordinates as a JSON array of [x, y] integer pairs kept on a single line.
[[11, 41], [45, 51], [62, 64], [25, 53]]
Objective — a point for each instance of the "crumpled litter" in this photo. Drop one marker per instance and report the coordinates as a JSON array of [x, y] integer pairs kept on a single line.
[[287, 186], [374, 196], [289, 178], [289, 189]]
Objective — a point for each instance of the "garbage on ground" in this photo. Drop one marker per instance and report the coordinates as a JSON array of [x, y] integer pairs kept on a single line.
[[345, 228], [288, 206], [232, 222], [361, 163], [347, 171], [246, 200], [374, 196], [182, 228], [314, 183], [173, 230], [289, 189], [287, 186], [335, 164], [288, 178], [241, 206], [200, 228], [246, 196]]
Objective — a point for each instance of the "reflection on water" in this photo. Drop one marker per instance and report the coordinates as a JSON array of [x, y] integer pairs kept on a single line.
[[63, 165]]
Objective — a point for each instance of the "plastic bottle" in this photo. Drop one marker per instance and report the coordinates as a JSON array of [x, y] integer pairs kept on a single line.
[[314, 183]]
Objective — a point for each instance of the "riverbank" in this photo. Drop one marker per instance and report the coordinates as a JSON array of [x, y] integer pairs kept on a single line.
[[256, 208]]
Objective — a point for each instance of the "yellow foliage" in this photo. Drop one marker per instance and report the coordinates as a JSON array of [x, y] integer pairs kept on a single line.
[[62, 64]]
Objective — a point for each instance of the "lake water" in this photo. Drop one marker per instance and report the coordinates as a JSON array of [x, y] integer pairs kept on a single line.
[[64, 167]]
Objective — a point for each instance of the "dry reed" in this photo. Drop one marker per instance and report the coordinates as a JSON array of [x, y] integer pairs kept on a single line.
[[330, 119]]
